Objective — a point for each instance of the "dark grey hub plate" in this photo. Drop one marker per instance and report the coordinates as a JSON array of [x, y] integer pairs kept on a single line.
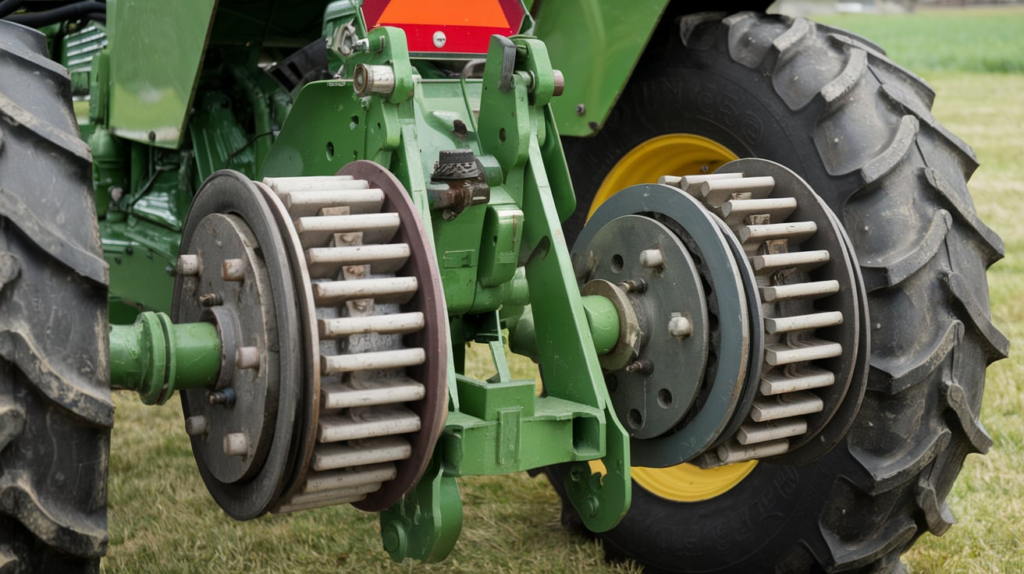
[[248, 304], [652, 401], [722, 386], [231, 193]]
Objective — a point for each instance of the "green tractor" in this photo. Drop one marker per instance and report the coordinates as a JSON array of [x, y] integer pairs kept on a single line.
[[738, 246]]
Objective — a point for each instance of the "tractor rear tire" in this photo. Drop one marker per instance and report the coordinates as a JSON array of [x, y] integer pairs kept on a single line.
[[858, 128], [55, 405]]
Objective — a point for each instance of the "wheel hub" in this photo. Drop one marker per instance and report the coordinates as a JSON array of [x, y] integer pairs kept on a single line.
[[751, 315]]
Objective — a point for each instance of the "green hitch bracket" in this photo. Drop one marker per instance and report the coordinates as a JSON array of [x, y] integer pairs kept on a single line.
[[155, 357]]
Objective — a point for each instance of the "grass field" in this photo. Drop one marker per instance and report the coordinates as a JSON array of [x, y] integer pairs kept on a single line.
[[162, 520]]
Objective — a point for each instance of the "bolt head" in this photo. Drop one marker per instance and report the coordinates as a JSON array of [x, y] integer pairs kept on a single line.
[[188, 265], [652, 258], [559, 83], [233, 270], [680, 327], [210, 300], [236, 444], [247, 358], [440, 39], [197, 425], [581, 109]]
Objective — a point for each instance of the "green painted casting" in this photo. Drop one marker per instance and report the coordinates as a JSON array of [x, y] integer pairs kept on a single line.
[[596, 54], [152, 89], [155, 357]]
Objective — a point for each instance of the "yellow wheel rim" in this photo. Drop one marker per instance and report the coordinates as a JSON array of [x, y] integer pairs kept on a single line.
[[673, 154]]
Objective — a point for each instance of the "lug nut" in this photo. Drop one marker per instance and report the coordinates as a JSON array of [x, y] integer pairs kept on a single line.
[[652, 258], [236, 444], [224, 397], [210, 300], [233, 270], [188, 265], [679, 326], [247, 358], [197, 425]]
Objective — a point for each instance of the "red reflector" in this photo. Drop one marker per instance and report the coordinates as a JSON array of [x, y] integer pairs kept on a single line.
[[451, 27]]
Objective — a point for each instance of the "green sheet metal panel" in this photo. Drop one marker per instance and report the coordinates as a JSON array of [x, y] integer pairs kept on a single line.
[[595, 45], [156, 52]]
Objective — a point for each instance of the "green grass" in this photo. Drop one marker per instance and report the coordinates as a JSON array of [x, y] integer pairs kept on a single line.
[[162, 520], [987, 41]]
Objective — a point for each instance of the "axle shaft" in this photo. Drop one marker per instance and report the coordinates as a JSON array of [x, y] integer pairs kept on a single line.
[[155, 357]]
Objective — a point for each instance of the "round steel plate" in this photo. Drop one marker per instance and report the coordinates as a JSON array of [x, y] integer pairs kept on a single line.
[[250, 313], [727, 303], [651, 403], [231, 193]]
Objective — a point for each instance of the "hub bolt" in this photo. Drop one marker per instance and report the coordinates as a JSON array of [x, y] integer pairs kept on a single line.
[[652, 258], [224, 397], [644, 366], [233, 270], [211, 300], [679, 326], [236, 444], [633, 286], [188, 265], [197, 425], [247, 358]]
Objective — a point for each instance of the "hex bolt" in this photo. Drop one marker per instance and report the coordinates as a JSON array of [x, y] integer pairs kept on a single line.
[[189, 265], [440, 39], [210, 300], [197, 425], [233, 270], [591, 505], [679, 326], [224, 397], [643, 366], [633, 286], [236, 444], [247, 358], [652, 258]]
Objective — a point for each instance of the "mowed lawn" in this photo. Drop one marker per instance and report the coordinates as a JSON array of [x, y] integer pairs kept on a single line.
[[162, 519]]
